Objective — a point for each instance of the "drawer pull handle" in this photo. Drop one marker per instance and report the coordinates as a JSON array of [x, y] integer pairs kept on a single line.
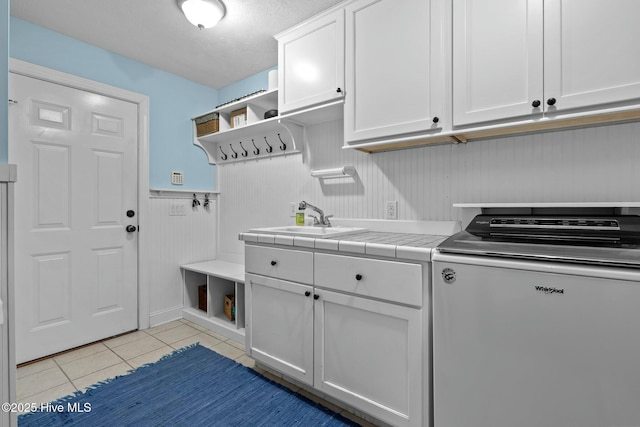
[[316, 296], [358, 277], [307, 293], [274, 262]]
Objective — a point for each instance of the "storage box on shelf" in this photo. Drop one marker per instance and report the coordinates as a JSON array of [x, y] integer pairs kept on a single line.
[[244, 133], [218, 306]]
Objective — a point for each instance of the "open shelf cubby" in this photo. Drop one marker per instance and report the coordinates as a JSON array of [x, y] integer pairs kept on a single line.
[[221, 279]]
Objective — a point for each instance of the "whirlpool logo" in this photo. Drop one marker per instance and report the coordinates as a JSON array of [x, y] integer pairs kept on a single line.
[[448, 275], [548, 290]]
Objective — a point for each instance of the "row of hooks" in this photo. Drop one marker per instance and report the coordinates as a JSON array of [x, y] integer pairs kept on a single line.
[[195, 202], [256, 150]]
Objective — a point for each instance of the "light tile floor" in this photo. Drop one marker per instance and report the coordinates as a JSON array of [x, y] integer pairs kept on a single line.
[[61, 375]]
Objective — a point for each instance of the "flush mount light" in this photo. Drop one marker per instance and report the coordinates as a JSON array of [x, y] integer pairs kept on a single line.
[[202, 13]]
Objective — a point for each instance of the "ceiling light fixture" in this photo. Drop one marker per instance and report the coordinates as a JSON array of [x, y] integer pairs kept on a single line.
[[202, 13]]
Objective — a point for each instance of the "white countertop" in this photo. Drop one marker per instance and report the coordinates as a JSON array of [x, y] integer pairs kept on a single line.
[[410, 246]]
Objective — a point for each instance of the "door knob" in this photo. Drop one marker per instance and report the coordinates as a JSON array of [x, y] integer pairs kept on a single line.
[[131, 228]]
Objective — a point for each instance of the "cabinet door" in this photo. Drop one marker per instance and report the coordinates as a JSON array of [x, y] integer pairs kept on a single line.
[[311, 61], [368, 354], [592, 54], [279, 325], [497, 59], [390, 70]]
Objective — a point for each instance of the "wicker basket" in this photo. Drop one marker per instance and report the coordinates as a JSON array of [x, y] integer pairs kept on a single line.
[[207, 124]]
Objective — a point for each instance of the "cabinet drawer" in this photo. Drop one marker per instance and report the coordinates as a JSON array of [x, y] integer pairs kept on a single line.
[[387, 280], [296, 266]]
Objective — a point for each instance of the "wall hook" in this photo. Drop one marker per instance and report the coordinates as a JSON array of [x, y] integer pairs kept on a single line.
[[257, 150], [195, 201], [244, 151], [235, 154], [270, 149], [206, 201], [224, 155], [283, 147]]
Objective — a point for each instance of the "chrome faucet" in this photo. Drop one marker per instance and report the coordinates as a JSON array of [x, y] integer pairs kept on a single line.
[[323, 221]]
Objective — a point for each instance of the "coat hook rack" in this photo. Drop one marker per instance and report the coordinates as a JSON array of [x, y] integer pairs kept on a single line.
[[283, 146], [257, 150], [244, 151], [270, 149], [235, 154], [224, 155]]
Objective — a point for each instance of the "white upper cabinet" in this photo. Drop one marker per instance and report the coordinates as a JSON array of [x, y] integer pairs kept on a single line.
[[393, 70], [524, 58], [497, 59], [592, 52], [311, 63]]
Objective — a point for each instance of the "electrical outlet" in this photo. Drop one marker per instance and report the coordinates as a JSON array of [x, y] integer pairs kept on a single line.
[[293, 208], [391, 209]]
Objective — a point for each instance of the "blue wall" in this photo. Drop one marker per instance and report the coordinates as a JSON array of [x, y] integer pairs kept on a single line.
[[246, 86], [173, 100], [4, 78]]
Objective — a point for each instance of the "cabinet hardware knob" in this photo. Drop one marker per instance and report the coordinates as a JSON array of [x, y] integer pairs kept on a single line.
[[339, 90], [358, 276], [316, 296], [307, 293], [131, 228], [536, 103], [274, 262], [131, 213], [551, 101], [436, 119]]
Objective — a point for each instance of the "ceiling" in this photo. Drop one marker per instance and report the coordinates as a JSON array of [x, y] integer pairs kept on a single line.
[[156, 33]]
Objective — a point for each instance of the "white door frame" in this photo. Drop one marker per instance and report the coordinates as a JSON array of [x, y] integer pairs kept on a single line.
[[36, 71]]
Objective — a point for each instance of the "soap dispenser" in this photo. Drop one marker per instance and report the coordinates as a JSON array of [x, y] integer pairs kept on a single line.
[[300, 217]]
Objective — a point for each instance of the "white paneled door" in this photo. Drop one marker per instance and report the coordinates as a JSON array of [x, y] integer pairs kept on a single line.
[[76, 213]]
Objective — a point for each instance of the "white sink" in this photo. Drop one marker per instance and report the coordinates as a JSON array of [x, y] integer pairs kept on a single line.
[[308, 231]]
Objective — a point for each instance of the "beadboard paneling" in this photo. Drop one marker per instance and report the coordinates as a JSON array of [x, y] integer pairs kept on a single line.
[[176, 240], [595, 164]]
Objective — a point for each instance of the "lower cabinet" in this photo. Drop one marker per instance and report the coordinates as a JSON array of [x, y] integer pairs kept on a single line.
[[355, 347], [367, 353], [280, 325]]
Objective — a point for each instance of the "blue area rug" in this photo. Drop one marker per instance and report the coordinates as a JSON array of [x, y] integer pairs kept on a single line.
[[193, 386]]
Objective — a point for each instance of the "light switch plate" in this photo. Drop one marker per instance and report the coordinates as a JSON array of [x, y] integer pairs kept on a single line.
[[177, 209]]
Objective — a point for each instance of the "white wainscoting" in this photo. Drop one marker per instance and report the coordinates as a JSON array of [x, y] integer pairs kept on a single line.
[[176, 240], [597, 164]]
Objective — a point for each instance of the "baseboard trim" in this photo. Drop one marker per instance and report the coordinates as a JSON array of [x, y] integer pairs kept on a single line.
[[164, 316]]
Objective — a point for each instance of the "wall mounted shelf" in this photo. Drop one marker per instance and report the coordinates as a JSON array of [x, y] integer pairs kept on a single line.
[[258, 138]]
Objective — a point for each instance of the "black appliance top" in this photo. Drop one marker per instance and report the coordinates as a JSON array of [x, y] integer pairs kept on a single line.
[[594, 239]]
